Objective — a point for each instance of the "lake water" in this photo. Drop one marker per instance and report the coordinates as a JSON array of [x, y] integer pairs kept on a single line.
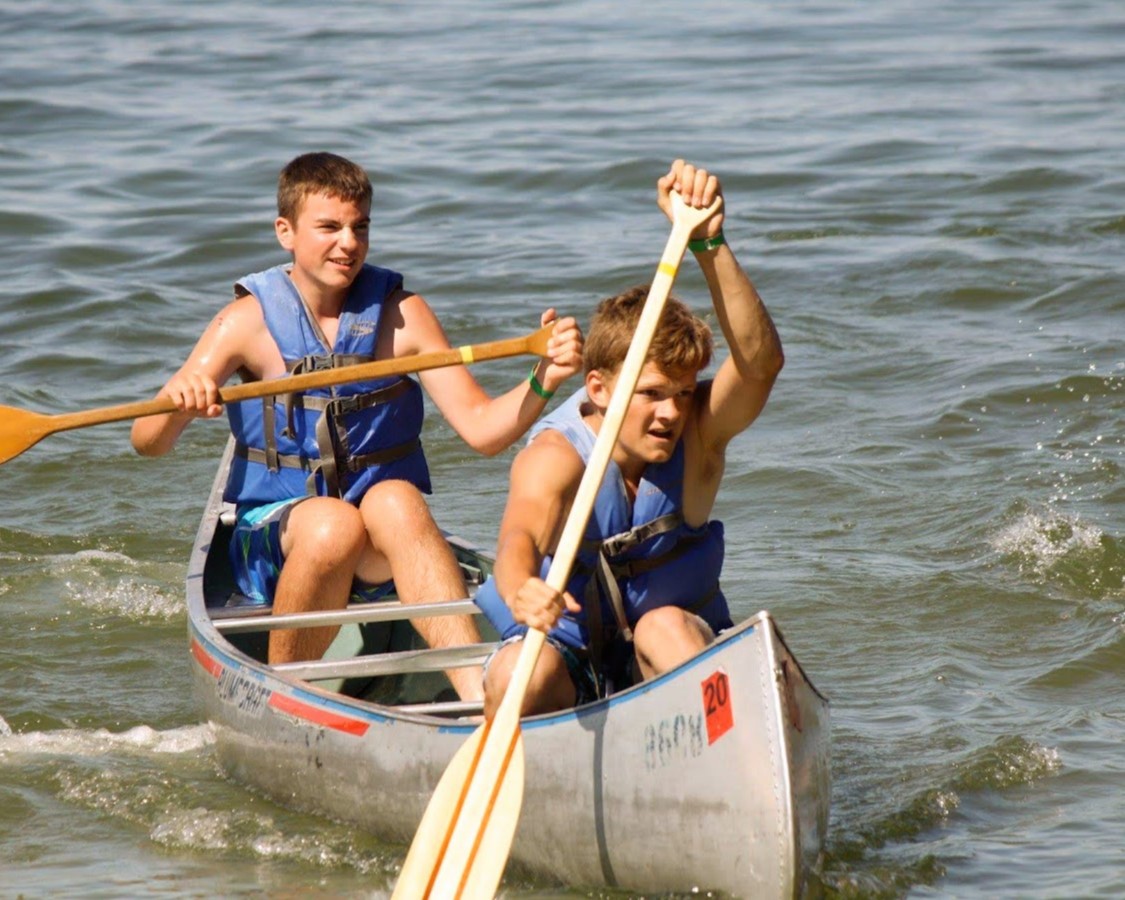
[[929, 196]]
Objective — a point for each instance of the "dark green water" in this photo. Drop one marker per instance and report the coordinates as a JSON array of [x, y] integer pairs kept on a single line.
[[930, 197]]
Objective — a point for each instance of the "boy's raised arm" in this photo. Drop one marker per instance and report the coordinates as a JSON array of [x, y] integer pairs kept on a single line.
[[745, 378]]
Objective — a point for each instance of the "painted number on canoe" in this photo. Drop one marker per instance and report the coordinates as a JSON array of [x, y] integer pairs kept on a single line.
[[673, 740], [717, 706]]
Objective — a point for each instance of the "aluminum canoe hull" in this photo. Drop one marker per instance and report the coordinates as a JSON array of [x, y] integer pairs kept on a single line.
[[714, 776]]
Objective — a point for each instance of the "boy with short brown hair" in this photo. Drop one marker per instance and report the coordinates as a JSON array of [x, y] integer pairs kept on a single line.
[[644, 593], [356, 448]]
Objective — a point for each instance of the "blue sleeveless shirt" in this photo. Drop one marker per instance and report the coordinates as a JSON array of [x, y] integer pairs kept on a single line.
[[334, 441], [643, 552]]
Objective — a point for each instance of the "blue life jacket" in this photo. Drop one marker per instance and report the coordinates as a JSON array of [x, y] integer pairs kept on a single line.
[[633, 558], [333, 441]]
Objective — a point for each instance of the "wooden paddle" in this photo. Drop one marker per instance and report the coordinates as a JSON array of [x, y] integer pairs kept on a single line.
[[463, 841], [21, 429]]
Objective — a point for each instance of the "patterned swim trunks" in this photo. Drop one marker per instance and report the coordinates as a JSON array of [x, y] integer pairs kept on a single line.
[[256, 557]]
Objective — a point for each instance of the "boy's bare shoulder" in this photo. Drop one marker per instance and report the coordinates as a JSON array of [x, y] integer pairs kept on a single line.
[[551, 457], [240, 328], [408, 325]]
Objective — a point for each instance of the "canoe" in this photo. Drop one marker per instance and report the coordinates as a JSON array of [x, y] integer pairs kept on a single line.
[[712, 777]]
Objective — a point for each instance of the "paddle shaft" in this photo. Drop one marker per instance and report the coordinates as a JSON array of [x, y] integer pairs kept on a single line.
[[534, 343], [474, 852]]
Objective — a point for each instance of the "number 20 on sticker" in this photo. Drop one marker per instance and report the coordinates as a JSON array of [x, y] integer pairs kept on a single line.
[[717, 705]]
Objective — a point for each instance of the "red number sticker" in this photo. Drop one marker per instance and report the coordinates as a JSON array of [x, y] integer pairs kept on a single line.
[[716, 706]]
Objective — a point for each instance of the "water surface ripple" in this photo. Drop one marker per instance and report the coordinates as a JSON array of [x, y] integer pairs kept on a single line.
[[930, 198]]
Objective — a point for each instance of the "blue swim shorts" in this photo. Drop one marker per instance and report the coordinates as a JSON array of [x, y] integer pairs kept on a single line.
[[256, 558]]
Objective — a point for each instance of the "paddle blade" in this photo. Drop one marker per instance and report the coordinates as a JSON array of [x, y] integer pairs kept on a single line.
[[420, 866], [462, 844], [19, 430], [495, 841]]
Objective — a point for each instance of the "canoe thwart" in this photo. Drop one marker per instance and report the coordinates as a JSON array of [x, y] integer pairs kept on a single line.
[[436, 660], [249, 618]]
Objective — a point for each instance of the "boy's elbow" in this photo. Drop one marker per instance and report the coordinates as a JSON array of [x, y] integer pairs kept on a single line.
[[777, 363], [764, 367], [487, 441], [149, 449], [148, 443], [489, 448]]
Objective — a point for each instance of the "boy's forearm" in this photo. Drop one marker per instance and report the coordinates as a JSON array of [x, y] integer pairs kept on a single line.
[[517, 559], [157, 435], [751, 336], [501, 421]]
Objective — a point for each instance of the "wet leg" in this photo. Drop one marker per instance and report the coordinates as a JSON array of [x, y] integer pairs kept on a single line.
[[407, 544], [322, 541]]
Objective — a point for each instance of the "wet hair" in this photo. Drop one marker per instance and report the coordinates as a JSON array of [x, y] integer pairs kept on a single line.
[[320, 173], [682, 343]]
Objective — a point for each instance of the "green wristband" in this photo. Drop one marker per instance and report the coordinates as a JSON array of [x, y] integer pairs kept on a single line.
[[704, 244], [537, 387]]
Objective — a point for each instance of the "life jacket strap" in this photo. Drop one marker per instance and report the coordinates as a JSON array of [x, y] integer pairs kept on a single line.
[[331, 431], [319, 361], [279, 460], [633, 567], [355, 464], [332, 434], [627, 540], [382, 457], [606, 575]]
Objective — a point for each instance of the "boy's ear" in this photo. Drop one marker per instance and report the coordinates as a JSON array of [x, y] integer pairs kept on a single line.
[[599, 389], [284, 231]]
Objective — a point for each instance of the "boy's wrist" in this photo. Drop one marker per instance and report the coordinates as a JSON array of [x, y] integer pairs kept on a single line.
[[537, 386], [705, 245]]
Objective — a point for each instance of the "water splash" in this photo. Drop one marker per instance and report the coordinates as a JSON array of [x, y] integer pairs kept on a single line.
[[104, 581], [130, 598], [167, 784], [1038, 541], [184, 812], [1007, 763], [79, 743]]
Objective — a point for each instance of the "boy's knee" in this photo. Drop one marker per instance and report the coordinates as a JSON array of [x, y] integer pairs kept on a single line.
[[548, 690], [397, 506], [327, 527], [660, 622], [497, 675], [666, 636]]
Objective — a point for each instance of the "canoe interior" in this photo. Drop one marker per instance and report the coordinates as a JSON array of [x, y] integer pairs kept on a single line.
[[353, 640]]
